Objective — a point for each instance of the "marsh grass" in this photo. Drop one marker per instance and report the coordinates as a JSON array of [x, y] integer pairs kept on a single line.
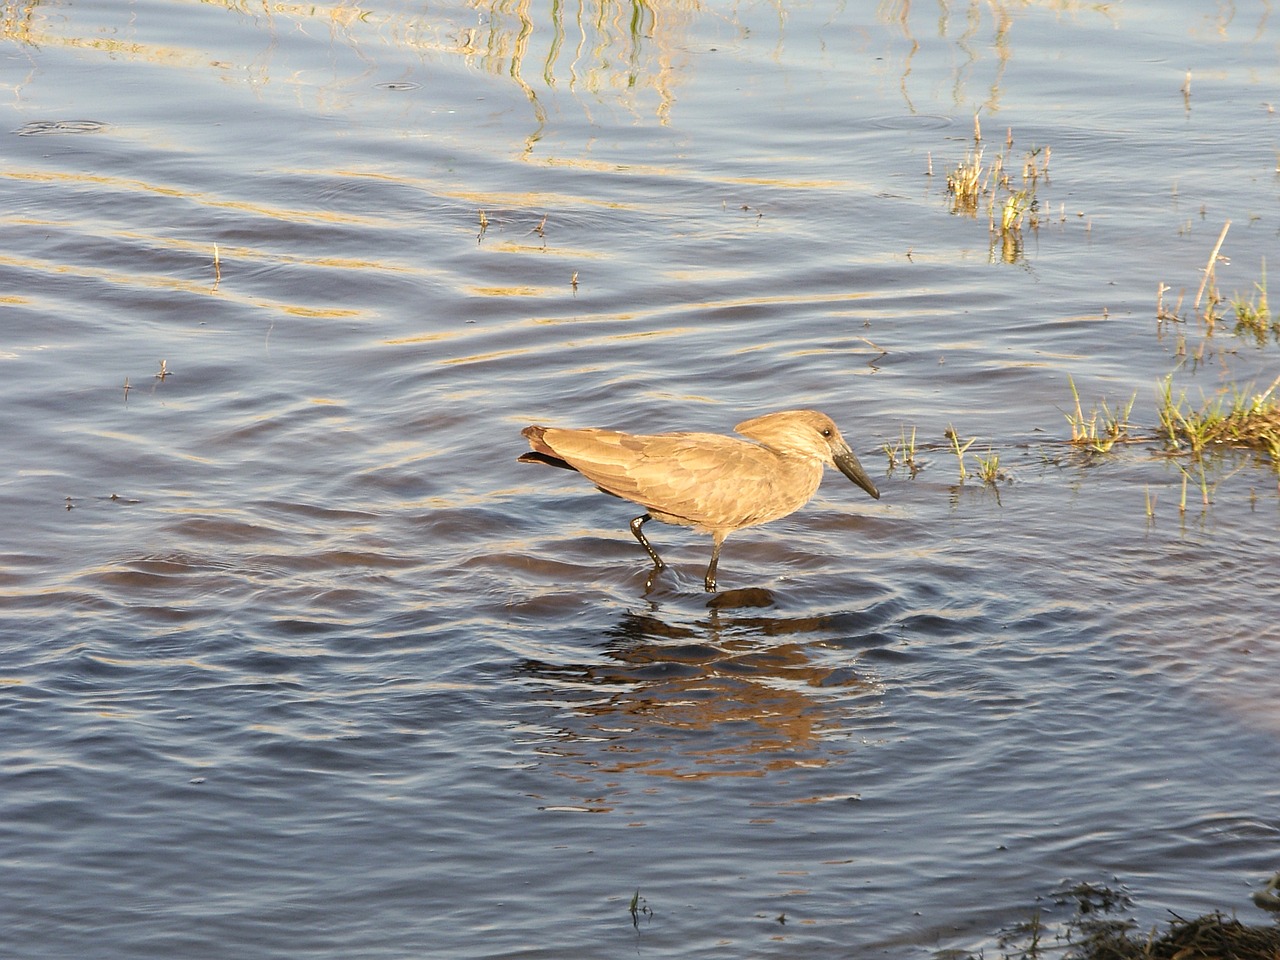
[[1207, 293], [1206, 488], [903, 453], [959, 450], [1010, 204], [1101, 429], [1253, 316], [989, 467], [1237, 419], [967, 183]]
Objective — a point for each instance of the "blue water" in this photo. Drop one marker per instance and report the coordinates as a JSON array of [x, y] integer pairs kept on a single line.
[[297, 661]]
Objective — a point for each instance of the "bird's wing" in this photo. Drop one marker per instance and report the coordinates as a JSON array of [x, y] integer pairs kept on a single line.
[[702, 479]]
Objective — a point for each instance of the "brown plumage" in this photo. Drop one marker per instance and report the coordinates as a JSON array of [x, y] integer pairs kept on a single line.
[[713, 483]]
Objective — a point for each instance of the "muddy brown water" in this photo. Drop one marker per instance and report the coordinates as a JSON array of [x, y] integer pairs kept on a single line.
[[296, 660]]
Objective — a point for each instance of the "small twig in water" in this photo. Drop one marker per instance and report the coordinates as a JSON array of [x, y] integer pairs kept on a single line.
[[1213, 260], [1162, 314]]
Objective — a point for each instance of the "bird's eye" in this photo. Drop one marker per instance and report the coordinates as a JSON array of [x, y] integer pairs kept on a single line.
[[827, 434]]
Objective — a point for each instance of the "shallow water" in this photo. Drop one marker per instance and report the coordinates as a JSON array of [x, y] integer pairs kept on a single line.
[[298, 661]]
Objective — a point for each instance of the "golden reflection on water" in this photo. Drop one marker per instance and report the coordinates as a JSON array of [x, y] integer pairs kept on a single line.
[[598, 50], [728, 697], [152, 281], [141, 186], [123, 190], [594, 47]]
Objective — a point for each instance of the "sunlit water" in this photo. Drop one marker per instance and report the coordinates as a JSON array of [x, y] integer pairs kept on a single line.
[[297, 661]]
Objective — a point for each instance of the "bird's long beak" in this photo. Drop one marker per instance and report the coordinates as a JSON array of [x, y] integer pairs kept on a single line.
[[851, 468]]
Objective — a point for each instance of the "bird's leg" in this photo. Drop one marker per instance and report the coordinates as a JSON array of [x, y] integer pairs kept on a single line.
[[636, 524], [718, 539]]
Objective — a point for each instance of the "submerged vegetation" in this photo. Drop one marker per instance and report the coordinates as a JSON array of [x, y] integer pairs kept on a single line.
[[1098, 930], [1089, 433], [1252, 311], [960, 450], [989, 467], [1236, 417], [1241, 419], [991, 180], [1253, 316], [903, 453], [976, 184]]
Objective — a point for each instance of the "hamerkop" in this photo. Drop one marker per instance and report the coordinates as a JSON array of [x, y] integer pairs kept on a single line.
[[713, 483]]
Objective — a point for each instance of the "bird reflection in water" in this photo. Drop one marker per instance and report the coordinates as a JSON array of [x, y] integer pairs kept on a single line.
[[723, 696]]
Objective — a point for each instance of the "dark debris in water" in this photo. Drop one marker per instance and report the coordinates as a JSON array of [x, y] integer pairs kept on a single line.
[[1214, 936], [1217, 935], [1095, 933], [1093, 898]]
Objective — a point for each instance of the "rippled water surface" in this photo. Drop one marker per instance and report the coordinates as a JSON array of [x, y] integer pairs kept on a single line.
[[297, 661]]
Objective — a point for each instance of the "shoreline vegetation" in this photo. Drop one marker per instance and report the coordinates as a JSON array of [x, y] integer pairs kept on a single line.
[[1099, 929], [1236, 417]]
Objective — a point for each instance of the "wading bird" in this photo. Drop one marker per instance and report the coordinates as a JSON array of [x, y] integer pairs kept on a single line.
[[713, 483]]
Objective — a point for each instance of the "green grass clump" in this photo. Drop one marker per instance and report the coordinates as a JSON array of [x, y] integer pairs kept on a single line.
[[959, 450], [1009, 205], [903, 453], [989, 467], [967, 183], [1102, 429], [1239, 420], [1253, 316]]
